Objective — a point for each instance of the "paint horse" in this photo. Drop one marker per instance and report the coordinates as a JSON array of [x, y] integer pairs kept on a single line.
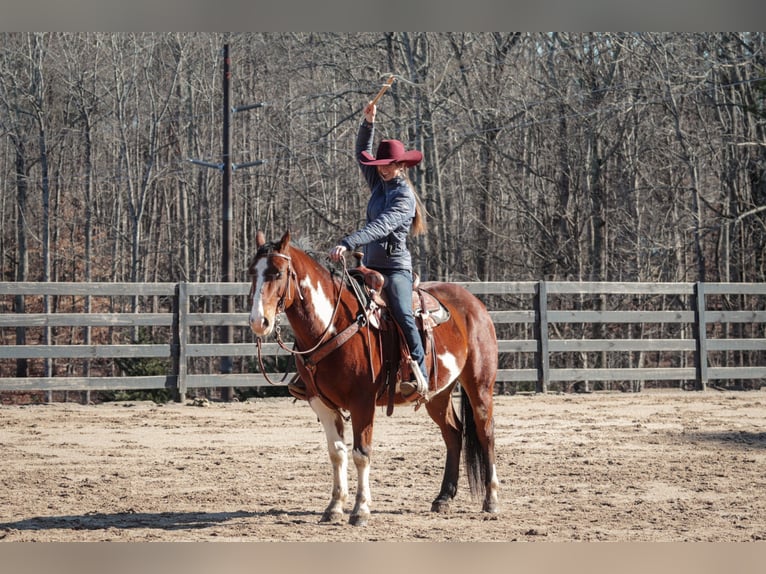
[[341, 360]]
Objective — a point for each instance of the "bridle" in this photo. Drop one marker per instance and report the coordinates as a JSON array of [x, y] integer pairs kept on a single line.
[[323, 346], [291, 275]]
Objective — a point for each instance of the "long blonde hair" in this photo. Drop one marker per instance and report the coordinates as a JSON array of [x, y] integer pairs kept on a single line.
[[419, 224]]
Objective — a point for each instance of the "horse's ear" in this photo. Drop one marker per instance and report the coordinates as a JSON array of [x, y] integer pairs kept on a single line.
[[284, 242], [260, 239]]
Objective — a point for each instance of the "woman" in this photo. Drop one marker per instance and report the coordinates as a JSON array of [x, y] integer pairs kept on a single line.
[[392, 212]]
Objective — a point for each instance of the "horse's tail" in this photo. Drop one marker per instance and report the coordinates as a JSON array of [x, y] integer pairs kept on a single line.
[[475, 457]]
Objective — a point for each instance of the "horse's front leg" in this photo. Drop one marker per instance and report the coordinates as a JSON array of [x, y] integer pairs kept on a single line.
[[333, 425], [361, 421]]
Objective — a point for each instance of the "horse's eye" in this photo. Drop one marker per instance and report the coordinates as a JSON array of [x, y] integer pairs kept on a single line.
[[273, 276]]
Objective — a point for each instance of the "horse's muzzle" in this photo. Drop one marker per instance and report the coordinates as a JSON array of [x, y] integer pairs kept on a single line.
[[261, 326]]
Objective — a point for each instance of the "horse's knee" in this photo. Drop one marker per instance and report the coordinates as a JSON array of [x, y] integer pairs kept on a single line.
[[361, 458]]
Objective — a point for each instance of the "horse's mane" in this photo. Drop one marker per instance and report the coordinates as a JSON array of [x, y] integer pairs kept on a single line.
[[304, 244], [320, 257], [269, 247], [301, 242]]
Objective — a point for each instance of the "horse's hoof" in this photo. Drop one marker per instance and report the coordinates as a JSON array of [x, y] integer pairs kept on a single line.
[[491, 507], [331, 516], [440, 506], [358, 519]]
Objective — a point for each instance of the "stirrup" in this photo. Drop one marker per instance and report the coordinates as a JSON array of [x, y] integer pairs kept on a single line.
[[418, 385]]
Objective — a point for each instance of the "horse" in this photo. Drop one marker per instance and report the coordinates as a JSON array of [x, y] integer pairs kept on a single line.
[[340, 357]]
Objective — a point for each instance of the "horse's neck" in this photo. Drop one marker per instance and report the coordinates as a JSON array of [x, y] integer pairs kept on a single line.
[[312, 310]]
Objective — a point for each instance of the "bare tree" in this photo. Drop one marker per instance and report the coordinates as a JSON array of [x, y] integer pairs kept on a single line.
[[568, 156]]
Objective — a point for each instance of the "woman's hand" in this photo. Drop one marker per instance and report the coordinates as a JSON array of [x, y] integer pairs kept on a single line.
[[369, 112], [336, 253]]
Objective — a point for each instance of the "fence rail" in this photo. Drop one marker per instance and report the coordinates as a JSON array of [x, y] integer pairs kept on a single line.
[[562, 332]]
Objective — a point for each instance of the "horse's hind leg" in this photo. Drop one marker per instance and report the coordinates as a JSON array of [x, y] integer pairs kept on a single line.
[[333, 425], [491, 482], [442, 411], [479, 444]]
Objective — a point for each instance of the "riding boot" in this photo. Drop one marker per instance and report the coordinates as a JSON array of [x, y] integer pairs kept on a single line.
[[297, 388], [418, 384]]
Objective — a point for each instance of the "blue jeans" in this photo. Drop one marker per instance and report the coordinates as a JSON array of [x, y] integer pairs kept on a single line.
[[398, 288]]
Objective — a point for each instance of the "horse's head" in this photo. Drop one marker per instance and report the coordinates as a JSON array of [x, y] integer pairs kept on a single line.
[[272, 283]]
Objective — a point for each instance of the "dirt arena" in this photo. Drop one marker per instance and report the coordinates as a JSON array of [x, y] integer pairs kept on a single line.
[[651, 466]]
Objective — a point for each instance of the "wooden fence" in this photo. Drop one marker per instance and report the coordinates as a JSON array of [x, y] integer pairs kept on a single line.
[[87, 336]]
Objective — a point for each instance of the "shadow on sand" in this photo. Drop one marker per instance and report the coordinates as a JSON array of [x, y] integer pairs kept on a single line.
[[737, 439], [127, 520]]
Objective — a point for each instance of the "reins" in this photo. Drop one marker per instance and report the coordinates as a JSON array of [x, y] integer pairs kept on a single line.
[[323, 347], [281, 308]]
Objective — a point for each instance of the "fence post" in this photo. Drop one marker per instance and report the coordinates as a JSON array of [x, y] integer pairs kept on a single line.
[[180, 328], [541, 335], [700, 336]]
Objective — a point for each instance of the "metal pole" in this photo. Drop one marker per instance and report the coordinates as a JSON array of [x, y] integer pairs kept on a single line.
[[227, 331]]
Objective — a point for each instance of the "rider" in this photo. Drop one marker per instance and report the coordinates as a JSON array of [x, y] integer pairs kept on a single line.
[[393, 211]]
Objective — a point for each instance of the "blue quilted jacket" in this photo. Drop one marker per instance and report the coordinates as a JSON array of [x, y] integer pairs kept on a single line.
[[390, 212]]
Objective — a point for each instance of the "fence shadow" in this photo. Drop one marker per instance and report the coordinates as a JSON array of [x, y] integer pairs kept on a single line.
[[745, 440], [130, 520]]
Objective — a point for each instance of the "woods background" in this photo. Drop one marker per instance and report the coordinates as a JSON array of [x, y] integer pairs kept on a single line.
[[587, 156], [547, 156]]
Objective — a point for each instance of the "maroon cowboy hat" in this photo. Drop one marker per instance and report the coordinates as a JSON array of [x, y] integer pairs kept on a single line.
[[392, 151]]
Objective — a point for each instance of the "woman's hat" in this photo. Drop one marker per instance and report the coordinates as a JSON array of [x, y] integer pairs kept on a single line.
[[392, 151]]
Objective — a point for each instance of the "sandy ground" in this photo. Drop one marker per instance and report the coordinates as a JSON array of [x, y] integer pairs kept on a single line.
[[652, 466]]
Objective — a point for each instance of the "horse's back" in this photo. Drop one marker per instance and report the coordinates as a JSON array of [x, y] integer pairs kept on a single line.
[[460, 301], [467, 311]]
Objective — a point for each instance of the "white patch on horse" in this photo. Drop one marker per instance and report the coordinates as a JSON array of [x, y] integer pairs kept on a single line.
[[494, 486], [322, 304], [256, 311], [494, 482], [363, 496], [448, 361], [336, 447]]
